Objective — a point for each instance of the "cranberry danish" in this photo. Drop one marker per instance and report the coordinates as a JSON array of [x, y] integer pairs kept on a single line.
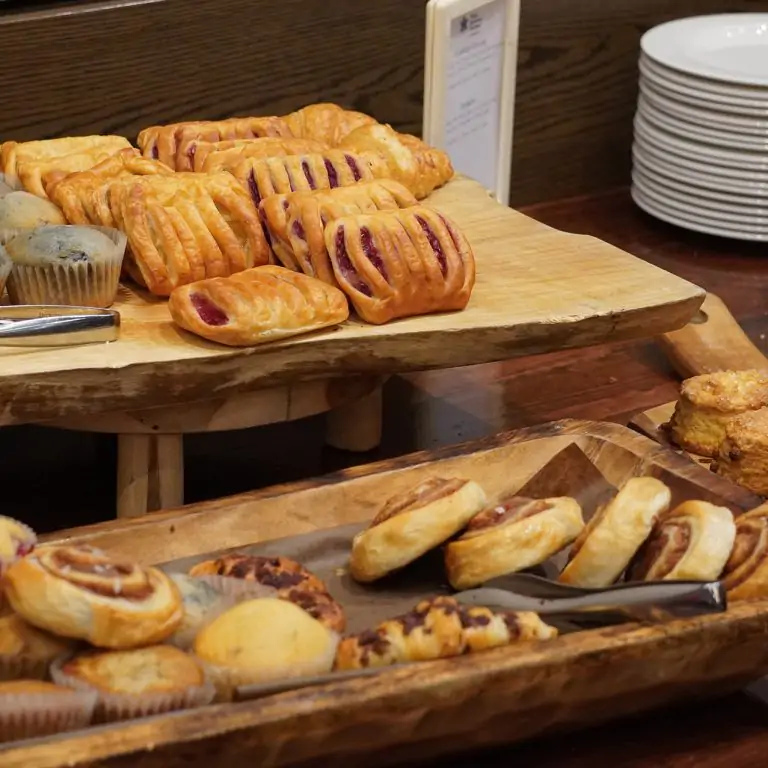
[[401, 263], [211, 157], [745, 576], [327, 123]]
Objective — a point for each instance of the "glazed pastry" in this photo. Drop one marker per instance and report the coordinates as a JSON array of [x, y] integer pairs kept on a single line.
[[22, 210], [326, 123], [264, 640], [511, 536], [401, 263], [413, 522], [416, 165], [296, 221], [689, 543], [257, 306], [743, 456], [745, 576], [211, 157], [187, 227], [708, 402], [27, 652], [615, 532], [303, 173], [80, 592], [437, 629]]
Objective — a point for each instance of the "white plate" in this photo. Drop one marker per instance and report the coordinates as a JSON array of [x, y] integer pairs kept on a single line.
[[729, 47]]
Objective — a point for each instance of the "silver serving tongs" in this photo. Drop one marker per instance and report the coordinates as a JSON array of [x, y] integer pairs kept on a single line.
[[636, 601], [42, 325]]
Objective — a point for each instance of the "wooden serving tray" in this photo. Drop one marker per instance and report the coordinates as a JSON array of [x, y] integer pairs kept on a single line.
[[537, 290], [425, 710]]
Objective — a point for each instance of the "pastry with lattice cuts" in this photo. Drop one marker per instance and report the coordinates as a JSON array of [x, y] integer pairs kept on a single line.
[[327, 123], [211, 157]]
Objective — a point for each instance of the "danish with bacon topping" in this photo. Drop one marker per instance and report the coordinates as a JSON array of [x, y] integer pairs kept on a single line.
[[401, 263], [515, 534], [81, 592], [438, 629], [745, 576]]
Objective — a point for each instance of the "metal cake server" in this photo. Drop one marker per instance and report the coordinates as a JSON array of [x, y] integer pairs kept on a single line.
[[56, 326]]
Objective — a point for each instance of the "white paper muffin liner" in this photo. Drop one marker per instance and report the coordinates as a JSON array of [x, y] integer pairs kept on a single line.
[[78, 284], [26, 715], [111, 707]]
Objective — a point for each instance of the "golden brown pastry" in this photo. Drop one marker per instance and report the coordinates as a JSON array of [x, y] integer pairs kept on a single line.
[[437, 629], [211, 157], [401, 263], [615, 532], [303, 173], [743, 455], [296, 221], [326, 123], [290, 580], [16, 541], [691, 542], [708, 402], [512, 535], [81, 592], [416, 165], [26, 651], [257, 306], [745, 576], [413, 522], [187, 227]]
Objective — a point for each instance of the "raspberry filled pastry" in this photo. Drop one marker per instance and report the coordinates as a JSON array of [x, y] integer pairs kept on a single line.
[[211, 157], [327, 123]]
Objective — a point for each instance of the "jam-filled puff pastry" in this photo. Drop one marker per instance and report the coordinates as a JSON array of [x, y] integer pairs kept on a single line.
[[327, 123], [296, 221], [401, 263], [257, 306], [211, 157]]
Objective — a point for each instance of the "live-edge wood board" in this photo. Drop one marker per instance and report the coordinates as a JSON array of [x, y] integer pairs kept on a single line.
[[537, 290]]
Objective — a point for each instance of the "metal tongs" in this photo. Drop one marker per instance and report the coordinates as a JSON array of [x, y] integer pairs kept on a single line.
[[42, 325]]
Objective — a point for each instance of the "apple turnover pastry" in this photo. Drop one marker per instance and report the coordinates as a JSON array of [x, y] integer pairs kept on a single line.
[[413, 163], [511, 536], [743, 455], [691, 542], [211, 157], [296, 221], [326, 123], [745, 576], [413, 522], [257, 306], [606, 546], [438, 629], [401, 263]]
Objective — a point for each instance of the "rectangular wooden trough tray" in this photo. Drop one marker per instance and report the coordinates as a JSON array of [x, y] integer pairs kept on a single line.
[[425, 710]]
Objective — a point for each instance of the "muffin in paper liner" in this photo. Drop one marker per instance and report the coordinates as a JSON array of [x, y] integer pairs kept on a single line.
[[27, 652], [30, 708], [5, 187], [112, 706], [69, 265], [5, 268], [20, 210]]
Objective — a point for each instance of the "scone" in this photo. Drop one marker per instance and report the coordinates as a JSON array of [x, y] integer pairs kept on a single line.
[[413, 522], [27, 652], [615, 532], [438, 629], [743, 455], [139, 682], [81, 592], [263, 640], [707, 404], [745, 576], [691, 542], [513, 535]]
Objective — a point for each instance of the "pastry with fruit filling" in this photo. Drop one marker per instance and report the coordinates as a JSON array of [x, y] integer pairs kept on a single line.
[[326, 123], [211, 157]]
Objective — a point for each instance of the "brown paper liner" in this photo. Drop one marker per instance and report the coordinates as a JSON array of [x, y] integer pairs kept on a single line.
[[19, 668], [26, 715]]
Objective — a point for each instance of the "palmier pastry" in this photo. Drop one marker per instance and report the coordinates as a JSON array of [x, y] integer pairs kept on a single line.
[[413, 522], [257, 306], [413, 163], [745, 576], [691, 542], [326, 123], [743, 455], [401, 263], [511, 536], [290, 580], [80, 592], [615, 532], [302, 173], [708, 402], [438, 629], [296, 221], [211, 157]]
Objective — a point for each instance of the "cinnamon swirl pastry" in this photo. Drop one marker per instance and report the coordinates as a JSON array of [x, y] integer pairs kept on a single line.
[[743, 455], [615, 532], [438, 629], [745, 576], [691, 542], [513, 535], [81, 592], [412, 523]]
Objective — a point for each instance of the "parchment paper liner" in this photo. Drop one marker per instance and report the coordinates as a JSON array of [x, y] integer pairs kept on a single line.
[[111, 707]]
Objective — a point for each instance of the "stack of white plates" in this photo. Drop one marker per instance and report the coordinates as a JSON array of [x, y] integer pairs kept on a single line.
[[700, 156]]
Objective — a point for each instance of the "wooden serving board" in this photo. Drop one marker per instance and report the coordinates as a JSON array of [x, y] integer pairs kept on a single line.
[[422, 711], [537, 290]]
